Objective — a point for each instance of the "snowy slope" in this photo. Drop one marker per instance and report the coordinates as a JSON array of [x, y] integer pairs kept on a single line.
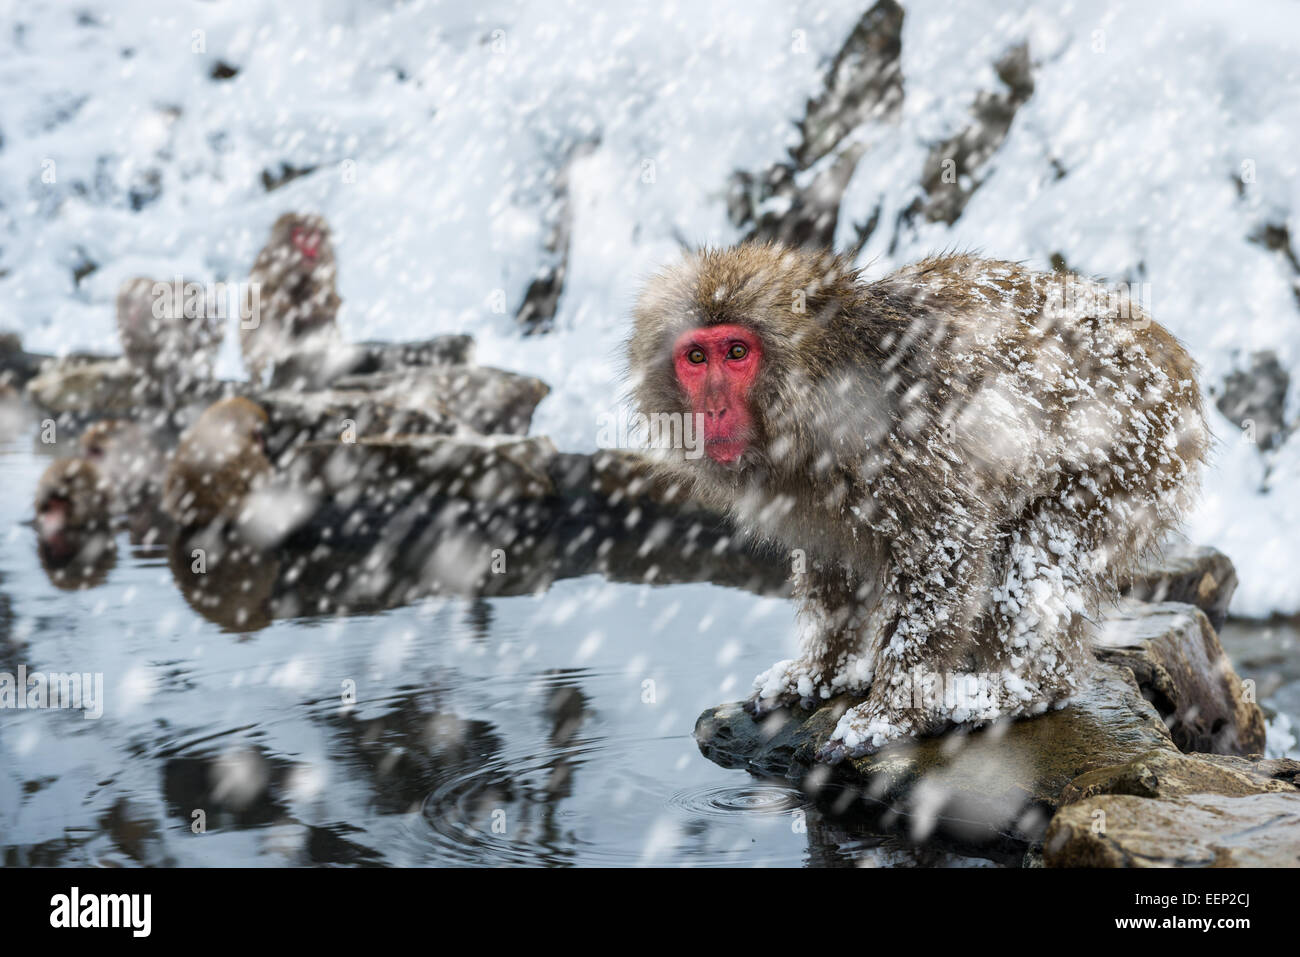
[[435, 133]]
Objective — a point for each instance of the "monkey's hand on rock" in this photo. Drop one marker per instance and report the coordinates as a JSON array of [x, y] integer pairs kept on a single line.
[[805, 681], [866, 728], [909, 708]]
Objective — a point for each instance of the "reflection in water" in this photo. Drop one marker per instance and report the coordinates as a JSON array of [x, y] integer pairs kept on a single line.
[[405, 751], [225, 580], [78, 559], [332, 567], [390, 700], [132, 832]]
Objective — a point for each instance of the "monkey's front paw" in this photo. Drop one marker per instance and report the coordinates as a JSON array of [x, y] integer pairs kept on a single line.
[[784, 685], [806, 683], [861, 731]]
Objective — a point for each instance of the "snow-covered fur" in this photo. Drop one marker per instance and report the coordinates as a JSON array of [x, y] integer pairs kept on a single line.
[[964, 458], [298, 300]]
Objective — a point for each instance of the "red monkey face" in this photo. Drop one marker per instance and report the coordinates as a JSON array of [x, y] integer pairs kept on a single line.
[[716, 367], [52, 518], [306, 241]]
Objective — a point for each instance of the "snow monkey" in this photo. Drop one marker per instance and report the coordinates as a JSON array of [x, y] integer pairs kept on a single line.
[[71, 497], [964, 458], [293, 280], [127, 459], [221, 459], [74, 534], [169, 330]]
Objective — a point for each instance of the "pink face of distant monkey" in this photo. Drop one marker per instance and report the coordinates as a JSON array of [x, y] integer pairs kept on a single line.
[[306, 240]]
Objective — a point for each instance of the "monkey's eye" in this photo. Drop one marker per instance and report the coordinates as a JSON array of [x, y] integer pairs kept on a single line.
[[738, 350], [695, 356]]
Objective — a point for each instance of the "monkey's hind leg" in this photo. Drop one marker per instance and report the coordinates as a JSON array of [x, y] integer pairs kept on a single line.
[[929, 672], [1056, 568], [1028, 652], [839, 632]]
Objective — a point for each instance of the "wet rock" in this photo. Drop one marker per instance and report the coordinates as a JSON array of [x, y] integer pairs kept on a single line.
[[1179, 664], [1210, 831], [1254, 400], [89, 385], [1001, 782], [1196, 575], [448, 350], [864, 83], [321, 368], [395, 535], [374, 475], [489, 401], [95, 386], [1170, 810], [340, 415], [1164, 774]]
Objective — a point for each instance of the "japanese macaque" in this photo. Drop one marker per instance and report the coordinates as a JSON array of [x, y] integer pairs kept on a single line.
[[169, 330], [220, 460], [127, 458], [73, 530], [293, 281], [71, 496], [963, 458]]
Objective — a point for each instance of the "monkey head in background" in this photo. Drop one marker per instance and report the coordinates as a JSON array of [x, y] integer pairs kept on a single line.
[[963, 458], [74, 536], [293, 280], [169, 330]]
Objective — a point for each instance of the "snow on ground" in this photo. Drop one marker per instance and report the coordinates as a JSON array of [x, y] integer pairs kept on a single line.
[[435, 132]]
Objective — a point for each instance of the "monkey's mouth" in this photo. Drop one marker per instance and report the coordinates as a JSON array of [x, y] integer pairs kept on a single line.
[[307, 242], [52, 518], [725, 451]]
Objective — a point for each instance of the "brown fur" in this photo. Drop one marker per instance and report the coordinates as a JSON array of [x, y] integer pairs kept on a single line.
[[126, 457], [79, 491], [298, 301], [922, 437], [158, 338], [220, 460]]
